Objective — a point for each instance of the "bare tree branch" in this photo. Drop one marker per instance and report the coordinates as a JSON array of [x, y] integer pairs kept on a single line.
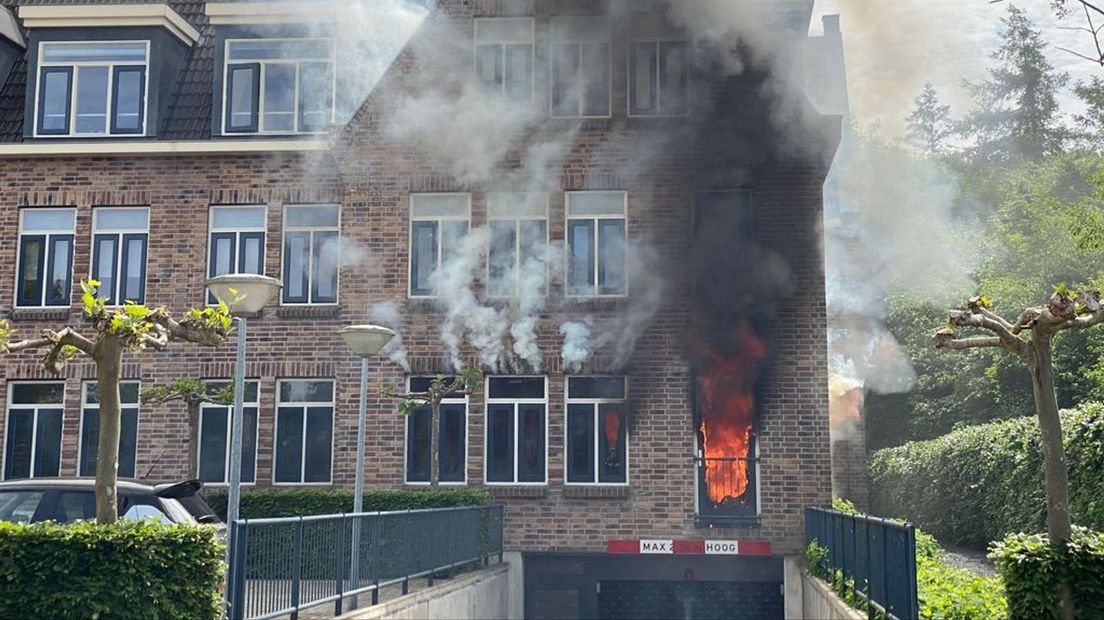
[[980, 342], [980, 318]]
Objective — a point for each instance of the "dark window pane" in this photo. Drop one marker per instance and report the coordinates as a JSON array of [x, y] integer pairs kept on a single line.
[[500, 443], [316, 86], [37, 393], [129, 99], [531, 439], [54, 106], [128, 393], [516, 387], [673, 78], [418, 445], [47, 449], [580, 267], [488, 64], [90, 433], [242, 97], [128, 442], [326, 254], [453, 442], [251, 258], [423, 257], [519, 72], [213, 441], [580, 443], [642, 78], [289, 444], [296, 262], [133, 278], [421, 384], [249, 444], [611, 257], [502, 258], [595, 60], [452, 233], [279, 97], [104, 253], [612, 464], [32, 260], [596, 387], [59, 268], [319, 444], [306, 391], [17, 451], [91, 100], [565, 87]]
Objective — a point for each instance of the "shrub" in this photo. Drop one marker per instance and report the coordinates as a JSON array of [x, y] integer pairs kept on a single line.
[[1032, 570], [270, 503], [979, 483], [125, 570]]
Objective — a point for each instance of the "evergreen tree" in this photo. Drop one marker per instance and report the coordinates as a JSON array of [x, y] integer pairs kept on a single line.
[[1090, 123], [1016, 113], [930, 124]]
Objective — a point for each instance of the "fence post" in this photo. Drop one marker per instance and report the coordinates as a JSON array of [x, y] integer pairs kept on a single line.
[[239, 539], [340, 569], [297, 566], [914, 595]]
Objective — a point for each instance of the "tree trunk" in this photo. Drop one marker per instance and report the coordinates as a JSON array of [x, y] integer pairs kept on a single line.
[[109, 362], [434, 445], [1056, 476], [193, 437]]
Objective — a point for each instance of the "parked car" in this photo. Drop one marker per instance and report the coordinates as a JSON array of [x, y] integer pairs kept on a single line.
[[72, 499]]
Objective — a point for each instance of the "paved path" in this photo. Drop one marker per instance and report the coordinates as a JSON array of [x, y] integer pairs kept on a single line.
[[971, 560]]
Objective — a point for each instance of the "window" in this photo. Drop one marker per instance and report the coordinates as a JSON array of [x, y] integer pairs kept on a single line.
[[519, 234], [596, 442], [119, 241], [237, 241], [452, 438], [304, 431], [580, 67], [279, 85], [312, 253], [33, 445], [92, 88], [516, 430], [90, 428], [658, 68], [438, 222], [596, 241], [215, 436], [504, 55], [45, 257]]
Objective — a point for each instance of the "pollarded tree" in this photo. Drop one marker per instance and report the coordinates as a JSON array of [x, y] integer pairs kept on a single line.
[[1031, 337], [131, 328], [194, 394]]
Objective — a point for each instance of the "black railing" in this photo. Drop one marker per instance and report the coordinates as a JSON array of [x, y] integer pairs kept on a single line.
[[727, 475], [878, 554], [279, 567]]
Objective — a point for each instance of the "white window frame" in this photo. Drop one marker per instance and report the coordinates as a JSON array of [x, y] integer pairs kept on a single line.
[[440, 238], [86, 405], [118, 233], [237, 230], [517, 219], [597, 438], [501, 44], [467, 442], [655, 41], [73, 91], [34, 424], [303, 440], [624, 216], [229, 421], [261, 84], [487, 402], [310, 258], [49, 234], [609, 82]]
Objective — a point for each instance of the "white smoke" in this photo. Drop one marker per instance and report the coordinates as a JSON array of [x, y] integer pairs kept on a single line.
[[388, 314]]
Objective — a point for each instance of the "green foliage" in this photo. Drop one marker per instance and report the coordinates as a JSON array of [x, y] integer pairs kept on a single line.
[[125, 570], [215, 319], [950, 593], [816, 559], [189, 390], [464, 382], [978, 483], [1033, 569], [266, 503]]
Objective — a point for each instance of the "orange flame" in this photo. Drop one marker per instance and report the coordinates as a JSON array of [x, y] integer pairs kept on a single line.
[[727, 400], [613, 428]]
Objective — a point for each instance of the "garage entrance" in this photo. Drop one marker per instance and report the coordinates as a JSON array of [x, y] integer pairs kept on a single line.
[[697, 600]]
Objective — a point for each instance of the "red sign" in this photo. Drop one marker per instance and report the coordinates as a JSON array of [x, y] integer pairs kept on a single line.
[[652, 546]]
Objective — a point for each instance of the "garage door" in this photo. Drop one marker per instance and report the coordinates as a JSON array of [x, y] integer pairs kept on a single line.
[[700, 600]]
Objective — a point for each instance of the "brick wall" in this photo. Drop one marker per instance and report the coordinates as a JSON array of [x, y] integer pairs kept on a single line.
[[730, 143]]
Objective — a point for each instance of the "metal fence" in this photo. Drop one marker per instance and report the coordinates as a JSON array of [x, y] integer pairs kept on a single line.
[[280, 567], [880, 555]]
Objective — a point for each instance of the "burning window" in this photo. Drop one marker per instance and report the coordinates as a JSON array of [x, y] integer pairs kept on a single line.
[[597, 434], [452, 438], [517, 430], [504, 55]]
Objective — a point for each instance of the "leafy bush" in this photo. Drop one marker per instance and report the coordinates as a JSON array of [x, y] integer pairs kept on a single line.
[[126, 570], [981, 482], [1033, 569], [270, 503]]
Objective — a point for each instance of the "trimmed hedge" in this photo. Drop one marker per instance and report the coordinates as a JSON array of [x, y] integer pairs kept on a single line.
[[126, 570], [271, 503], [979, 483], [1032, 568]]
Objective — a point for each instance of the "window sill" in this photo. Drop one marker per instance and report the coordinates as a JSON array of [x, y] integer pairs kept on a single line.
[[596, 492], [308, 312], [589, 304], [60, 313], [517, 491], [726, 522]]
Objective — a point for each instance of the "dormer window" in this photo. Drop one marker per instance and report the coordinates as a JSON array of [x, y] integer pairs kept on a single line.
[[92, 88], [279, 85]]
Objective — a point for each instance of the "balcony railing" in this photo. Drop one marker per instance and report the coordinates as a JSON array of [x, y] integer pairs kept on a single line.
[[726, 473]]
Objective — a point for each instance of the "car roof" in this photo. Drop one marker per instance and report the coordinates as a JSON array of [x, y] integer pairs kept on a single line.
[[133, 486]]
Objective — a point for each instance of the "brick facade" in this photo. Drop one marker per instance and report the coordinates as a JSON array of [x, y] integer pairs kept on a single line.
[[728, 145]]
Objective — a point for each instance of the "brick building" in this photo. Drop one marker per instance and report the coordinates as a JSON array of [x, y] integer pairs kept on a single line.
[[620, 227]]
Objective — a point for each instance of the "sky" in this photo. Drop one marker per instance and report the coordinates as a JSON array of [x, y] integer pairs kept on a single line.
[[893, 46]]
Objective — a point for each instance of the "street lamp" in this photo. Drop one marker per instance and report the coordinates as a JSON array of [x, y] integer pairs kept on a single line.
[[365, 341], [245, 293]]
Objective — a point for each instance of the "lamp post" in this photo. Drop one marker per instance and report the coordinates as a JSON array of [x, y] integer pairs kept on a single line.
[[245, 293], [365, 341]]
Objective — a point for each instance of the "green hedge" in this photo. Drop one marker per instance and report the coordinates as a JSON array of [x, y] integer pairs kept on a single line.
[[127, 570], [269, 503], [979, 483], [1032, 569]]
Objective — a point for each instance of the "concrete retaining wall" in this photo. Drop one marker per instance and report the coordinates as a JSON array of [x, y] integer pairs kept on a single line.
[[820, 602], [482, 594]]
